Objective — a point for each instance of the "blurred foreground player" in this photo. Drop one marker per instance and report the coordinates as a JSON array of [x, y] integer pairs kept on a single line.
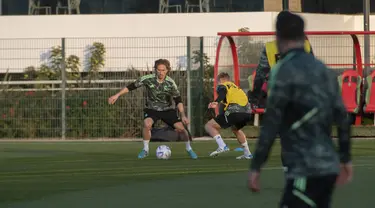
[[235, 112], [304, 101], [160, 91]]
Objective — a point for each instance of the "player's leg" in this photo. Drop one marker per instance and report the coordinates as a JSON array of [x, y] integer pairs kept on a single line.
[[181, 129], [325, 191], [294, 195], [150, 118], [170, 117], [240, 120], [213, 127], [309, 192], [241, 138], [285, 168]]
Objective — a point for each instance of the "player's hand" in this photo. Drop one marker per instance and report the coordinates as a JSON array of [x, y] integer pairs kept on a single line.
[[113, 99], [185, 120], [212, 105], [346, 174], [253, 181]]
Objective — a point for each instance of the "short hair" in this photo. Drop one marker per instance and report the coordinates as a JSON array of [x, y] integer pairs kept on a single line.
[[164, 62], [290, 26], [223, 75]]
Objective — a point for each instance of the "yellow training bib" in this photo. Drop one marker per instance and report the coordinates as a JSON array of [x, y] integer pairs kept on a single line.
[[235, 95], [272, 52]]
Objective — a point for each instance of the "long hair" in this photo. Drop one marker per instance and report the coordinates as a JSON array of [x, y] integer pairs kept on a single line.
[[164, 62]]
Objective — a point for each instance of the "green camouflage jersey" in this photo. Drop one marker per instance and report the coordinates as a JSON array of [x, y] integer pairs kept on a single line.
[[261, 74], [304, 102], [159, 95]]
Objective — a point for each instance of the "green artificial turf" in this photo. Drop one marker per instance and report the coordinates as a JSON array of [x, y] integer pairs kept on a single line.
[[108, 174]]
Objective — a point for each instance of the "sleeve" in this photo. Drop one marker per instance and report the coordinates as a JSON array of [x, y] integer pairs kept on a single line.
[[221, 92], [138, 83], [279, 96], [175, 92], [343, 125], [262, 70]]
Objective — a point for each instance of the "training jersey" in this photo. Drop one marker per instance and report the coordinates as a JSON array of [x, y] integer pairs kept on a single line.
[[159, 95], [269, 56], [304, 101], [234, 99]]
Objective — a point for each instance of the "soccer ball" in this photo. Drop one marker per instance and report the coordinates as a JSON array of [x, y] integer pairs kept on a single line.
[[163, 152]]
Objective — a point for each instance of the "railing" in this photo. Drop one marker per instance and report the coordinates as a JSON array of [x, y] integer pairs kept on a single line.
[[340, 50], [42, 96]]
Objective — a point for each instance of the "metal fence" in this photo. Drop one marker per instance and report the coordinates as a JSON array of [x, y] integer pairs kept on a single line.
[[42, 96]]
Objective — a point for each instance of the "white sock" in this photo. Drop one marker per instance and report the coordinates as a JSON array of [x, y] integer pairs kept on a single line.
[[188, 147], [246, 149], [145, 145], [220, 141]]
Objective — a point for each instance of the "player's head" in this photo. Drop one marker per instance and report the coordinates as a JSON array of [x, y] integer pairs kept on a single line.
[[223, 77], [290, 31], [162, 67]]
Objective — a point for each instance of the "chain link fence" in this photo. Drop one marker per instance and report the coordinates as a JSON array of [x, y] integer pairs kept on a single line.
[[58, 88]]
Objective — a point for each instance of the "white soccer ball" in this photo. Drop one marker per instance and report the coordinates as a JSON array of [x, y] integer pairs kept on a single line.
[[163, 152]]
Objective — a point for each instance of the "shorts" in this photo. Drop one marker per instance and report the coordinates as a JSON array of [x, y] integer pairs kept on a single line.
[[309, 192], [169, 117], [238, 120]]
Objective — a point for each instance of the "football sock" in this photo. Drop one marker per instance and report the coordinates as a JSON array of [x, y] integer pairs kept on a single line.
[[188, 147], [145, 145], [220, 141], [246, 149]]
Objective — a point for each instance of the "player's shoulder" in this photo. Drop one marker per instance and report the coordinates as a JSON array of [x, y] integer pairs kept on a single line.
[[169, 79], [293, 62], [220, 87], [229, 83], [147, 77]]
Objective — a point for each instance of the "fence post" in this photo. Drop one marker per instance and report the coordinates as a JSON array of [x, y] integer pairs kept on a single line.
[[201, 91], [188, 80], [195, 84], [63, 91]]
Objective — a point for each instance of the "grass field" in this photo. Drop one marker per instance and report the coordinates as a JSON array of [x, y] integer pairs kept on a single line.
[[107, 174]]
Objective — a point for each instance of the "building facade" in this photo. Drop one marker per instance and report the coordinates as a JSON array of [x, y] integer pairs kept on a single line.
[[21, 7]]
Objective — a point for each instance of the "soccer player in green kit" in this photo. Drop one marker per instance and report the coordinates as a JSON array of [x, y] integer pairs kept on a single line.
[[161, 90], [303, 103]]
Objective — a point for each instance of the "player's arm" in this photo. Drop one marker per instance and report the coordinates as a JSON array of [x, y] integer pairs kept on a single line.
[[221, 91], [177, 99], [262, 70], [279, 96], [132, 86], [180, 106], [343, 126]]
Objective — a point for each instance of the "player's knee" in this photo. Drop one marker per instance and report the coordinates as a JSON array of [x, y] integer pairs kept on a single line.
[[180, 130], [179, 127], [234, 130], [208, 126], [147, 125]]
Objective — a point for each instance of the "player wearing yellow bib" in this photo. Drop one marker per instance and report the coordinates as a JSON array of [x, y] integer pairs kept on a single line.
[[235, 112]]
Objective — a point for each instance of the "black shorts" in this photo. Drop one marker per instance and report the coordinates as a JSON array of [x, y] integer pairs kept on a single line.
[[309, 192], [169, 117], [238, 120]]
